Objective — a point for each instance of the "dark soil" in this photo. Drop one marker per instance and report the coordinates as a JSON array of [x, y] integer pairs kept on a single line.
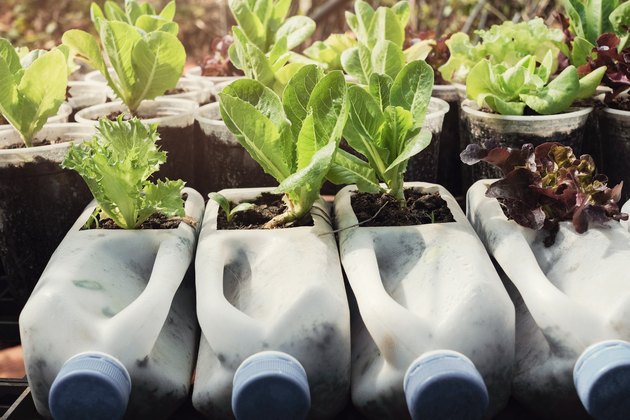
[[113, 116], [622, 104], [175, 91], [3, 121], [384, 210], [266, 207], [44, 142], [156, 221]]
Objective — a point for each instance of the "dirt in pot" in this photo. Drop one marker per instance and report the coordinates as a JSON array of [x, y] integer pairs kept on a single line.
[[384, 210], [622, 104], [45, 142], [175, 91], [156, 221], [266, 207]]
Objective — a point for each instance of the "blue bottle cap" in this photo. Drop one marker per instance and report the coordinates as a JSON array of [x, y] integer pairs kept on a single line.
[[270, 385], [445, 384], [90, 386], [602, 379]]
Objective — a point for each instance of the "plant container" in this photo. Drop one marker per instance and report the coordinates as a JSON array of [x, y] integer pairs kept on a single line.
[[449, 164], [110, 330], [39, 201], [614, 125], [434, 333], [274, 317]]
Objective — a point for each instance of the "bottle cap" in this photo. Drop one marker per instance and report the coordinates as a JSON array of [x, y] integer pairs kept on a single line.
[[270, 385], [445, 384], [90, 386], [602, 379]]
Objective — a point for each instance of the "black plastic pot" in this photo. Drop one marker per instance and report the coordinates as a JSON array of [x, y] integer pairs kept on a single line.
[[614, 127], [176, 126], [39, 202], [220, 161], [449, 164]]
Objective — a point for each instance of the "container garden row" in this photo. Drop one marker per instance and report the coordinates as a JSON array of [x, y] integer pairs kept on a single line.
[[418, 286]]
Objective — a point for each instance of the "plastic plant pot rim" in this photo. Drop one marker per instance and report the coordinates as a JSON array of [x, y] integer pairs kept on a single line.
[[178, 108], [195, 73], [440, 108], [80, 136], [470, 107], [59, 118], [617, 112], [445, 88]]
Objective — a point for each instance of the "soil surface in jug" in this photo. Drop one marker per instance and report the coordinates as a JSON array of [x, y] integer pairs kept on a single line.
[[384, 210], [266, 207]]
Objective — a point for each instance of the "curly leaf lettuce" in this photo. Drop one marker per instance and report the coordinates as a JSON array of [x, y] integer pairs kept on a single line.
[[116, 164]]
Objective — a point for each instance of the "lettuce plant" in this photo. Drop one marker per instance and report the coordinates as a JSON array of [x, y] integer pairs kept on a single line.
[[380, 36], [294, 139], [264, 38], [33, 92], [589, 19], [545, 185], [616, 64], [224, 203], [147, 61], [141, 15], [508, 90], [328, 52], [116, 164], [504, 44], [385, 126]]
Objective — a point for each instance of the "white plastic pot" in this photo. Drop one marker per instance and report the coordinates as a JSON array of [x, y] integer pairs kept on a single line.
[[480, 127], [220, 161], [197, 90], [176, 119], [435, 336], [110, 329], [39, 201], [219, 81], [270, 290], [96, 77], [61, 117], [571, 299], [84, 94]]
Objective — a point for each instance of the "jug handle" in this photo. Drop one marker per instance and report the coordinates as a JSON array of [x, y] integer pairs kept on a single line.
[[548, 305], [226, 328], [400, 335], [138, 326]]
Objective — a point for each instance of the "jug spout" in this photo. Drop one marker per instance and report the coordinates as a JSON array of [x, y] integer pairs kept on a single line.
[[602, 379], [90, 386], [445, 384], [270, 385]]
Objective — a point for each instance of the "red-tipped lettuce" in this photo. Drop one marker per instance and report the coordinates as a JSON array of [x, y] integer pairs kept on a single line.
[[545, 185]]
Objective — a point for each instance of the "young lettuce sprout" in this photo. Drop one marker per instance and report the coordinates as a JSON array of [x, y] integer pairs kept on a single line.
[[31, 94], [508, 90], [224, 203], [116, 164], [146, 56], [293, 139], [385, 125]]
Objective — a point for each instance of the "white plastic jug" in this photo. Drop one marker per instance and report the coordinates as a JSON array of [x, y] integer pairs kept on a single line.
[[110, 329], [573, 312], [274, 318], [435, 335]]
